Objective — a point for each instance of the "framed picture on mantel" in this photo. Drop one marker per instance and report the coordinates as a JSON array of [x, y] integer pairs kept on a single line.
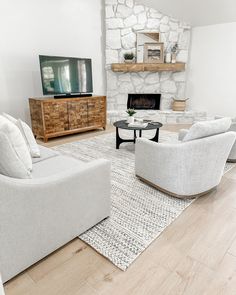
[[154, 52], [145, 37]]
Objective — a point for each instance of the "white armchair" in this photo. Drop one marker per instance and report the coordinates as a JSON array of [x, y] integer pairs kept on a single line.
[[232, 155], [184, 169]]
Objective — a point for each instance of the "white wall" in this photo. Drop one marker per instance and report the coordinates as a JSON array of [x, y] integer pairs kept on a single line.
[[50, 27], [197, 13], [212, 70]]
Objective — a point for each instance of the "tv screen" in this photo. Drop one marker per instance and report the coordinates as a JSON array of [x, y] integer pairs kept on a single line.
[[65, 75]]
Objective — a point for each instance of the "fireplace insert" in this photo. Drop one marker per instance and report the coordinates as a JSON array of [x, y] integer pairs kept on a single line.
[[144, 101]]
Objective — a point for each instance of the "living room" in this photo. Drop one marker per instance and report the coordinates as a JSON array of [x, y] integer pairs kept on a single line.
[[117, 147]]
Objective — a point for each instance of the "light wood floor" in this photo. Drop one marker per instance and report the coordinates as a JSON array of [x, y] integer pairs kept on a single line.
[[195, 255]]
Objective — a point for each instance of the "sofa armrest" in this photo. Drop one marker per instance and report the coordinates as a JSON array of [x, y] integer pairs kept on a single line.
[[91, 181], [44, 214]]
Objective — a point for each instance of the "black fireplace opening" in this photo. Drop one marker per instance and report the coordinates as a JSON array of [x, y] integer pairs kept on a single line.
[[144, 101]]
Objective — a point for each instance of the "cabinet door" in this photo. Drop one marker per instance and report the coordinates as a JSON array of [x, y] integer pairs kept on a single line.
[[95, 112], [78, 114], [55, 117]]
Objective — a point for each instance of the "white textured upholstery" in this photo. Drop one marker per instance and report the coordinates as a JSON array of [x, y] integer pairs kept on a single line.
[[1, 287], [232, 155], [55, 165], [207, 128], [10, 163], [29, 138], [27, 135], [39, 215], [185, 168], [182, 134], [17, 141], [45, 153]]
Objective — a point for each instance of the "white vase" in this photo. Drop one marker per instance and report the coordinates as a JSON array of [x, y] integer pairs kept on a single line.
[[168, 57], [130, 120], [129, 61], [173, 58]]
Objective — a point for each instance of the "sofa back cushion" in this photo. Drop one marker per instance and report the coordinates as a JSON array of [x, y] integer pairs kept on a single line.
[[10, 163], [17, 142], [207, 128], [27, 135]]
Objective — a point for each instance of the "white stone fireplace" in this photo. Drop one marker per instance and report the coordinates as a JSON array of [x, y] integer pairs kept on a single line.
[[124, 18]]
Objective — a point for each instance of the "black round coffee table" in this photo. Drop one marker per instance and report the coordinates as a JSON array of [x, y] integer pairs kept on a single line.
[[124, 125]]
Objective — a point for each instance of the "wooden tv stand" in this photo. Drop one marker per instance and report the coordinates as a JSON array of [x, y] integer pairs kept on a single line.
[[57, 117]]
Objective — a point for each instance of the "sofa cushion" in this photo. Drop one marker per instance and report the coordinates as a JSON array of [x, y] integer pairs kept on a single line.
[[27, 135], [207, 128], [17, 141], [54, 166], [10, 163], [45, 153], [29, 138]]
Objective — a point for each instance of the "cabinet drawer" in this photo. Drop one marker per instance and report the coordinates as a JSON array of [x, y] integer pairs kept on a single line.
[[55, 117], [78, 114], [95, 112]]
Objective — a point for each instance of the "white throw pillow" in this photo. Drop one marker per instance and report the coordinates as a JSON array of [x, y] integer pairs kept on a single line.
[[29, 138], [207, 128], [17, 141], [10, 163], [27, 134]]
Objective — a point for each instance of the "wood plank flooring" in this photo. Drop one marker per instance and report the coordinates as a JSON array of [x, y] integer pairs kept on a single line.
[[195, 255]]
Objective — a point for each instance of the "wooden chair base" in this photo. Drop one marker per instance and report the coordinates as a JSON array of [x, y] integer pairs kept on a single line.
[[173, 194]]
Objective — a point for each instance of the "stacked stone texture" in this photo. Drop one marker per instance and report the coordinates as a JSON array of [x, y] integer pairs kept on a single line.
[[124, 18]]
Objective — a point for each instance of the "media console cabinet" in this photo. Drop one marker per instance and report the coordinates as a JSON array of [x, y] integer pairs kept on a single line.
[[57, 117]]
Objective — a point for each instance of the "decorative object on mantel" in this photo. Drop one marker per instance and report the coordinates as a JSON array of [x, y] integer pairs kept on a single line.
[[179, 105], [148, 67], [154, 52], [131, 113], [129, 57], [168, 57], [174, 51], [168, 54], [142, 38]]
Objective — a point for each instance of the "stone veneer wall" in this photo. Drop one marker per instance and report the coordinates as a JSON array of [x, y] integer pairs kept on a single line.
[[123, 19]]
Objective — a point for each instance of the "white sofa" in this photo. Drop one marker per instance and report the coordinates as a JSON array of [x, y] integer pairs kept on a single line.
[[64, 198], [186, 168]]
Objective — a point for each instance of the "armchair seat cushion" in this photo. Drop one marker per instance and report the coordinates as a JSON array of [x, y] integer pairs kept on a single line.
[[55, 165], [45, 153]]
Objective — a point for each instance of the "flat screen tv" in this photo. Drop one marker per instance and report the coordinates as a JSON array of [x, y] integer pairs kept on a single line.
[[65, 76]]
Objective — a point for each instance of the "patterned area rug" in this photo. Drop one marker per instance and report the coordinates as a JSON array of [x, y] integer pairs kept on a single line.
[[139, 213]]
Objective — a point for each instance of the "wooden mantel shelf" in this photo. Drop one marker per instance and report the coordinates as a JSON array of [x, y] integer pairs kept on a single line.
[[144, 67]]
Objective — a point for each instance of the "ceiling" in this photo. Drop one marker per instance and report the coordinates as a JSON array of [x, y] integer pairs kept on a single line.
[[197, 13]]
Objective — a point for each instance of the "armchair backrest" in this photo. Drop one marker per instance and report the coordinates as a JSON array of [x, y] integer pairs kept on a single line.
[[207, 128]]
